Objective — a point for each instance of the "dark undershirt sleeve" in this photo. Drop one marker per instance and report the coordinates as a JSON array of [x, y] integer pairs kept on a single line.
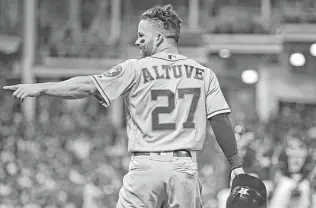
[[226, 138]]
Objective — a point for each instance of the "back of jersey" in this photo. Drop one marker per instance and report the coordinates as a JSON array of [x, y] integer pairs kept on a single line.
[[169, 103]]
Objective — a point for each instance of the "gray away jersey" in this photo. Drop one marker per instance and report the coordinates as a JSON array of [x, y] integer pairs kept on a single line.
[[168, 98]]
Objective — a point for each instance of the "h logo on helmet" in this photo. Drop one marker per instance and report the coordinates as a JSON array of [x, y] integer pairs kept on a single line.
[[243, 191]]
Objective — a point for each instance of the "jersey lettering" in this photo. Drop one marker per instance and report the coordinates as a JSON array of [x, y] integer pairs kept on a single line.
[[188, 124], [158, 76], [177, 71], [198, 74], [167, 69], [147, 76], [188, 70], [163, 72], [196, 92], [168, 109]]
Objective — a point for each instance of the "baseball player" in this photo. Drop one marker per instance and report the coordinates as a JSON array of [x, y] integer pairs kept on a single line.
[[169, 98]]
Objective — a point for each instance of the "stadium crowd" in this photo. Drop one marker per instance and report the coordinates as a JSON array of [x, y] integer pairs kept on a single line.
[[49, 163]]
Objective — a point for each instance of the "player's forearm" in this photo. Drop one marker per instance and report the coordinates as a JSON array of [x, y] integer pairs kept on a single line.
[[226, 139], [74, 88]]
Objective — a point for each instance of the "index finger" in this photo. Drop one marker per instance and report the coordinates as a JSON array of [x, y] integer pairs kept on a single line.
[[11, 87]]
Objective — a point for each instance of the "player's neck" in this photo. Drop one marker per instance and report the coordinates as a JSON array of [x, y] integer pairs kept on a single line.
[[168, 49]]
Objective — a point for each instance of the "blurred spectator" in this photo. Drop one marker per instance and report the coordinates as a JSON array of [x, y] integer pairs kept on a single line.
[[295, 165]]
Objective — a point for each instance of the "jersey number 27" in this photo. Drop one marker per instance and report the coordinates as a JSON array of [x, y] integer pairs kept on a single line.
[[188, 124]]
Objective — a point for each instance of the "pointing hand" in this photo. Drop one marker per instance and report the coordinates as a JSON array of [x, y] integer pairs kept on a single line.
[[22, 91]]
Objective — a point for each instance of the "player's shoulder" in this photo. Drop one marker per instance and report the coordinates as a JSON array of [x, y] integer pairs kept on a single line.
[[139, 62], [130, 62], [154, 59], [197, 64], [147, 62]]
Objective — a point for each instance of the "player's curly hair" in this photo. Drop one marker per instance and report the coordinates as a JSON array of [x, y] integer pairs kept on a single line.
[[166, 18]]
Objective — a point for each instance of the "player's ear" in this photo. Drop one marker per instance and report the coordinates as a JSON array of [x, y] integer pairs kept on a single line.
[[159, 39]]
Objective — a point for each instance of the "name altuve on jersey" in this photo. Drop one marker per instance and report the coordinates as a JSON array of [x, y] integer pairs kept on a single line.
[[175, 71]]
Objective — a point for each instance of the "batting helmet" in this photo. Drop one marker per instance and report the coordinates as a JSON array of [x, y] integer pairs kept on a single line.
[[247, 192]]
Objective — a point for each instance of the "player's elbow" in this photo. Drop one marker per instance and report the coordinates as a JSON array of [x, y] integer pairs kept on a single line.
[[85, 86], [89, 89]]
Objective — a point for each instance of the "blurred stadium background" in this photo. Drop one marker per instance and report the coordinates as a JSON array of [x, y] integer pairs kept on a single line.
[[56, 153]]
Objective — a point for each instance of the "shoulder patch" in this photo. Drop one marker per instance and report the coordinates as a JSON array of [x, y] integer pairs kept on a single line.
[[114, 71]]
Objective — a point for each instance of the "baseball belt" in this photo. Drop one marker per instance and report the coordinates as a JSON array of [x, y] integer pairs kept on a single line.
[[176, 153]]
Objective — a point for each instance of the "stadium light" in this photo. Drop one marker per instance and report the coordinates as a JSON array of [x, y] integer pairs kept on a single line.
[[249, 76], [313, 49], [297, 59], [224, 53]]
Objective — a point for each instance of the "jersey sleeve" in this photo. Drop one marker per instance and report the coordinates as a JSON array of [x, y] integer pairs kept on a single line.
[[215, 100], [115, 82]]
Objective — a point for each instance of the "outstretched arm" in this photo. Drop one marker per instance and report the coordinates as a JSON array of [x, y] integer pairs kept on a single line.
[[73, 88]]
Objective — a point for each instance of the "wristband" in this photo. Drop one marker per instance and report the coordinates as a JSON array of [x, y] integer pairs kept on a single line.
[[234, 161], [234, 167]]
